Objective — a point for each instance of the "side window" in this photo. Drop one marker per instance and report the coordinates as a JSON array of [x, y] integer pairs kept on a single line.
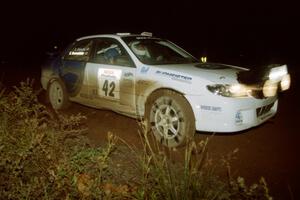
[[110, 51], [80, 51]]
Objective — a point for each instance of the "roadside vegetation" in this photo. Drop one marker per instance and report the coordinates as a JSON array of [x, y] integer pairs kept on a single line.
[[46, 155]]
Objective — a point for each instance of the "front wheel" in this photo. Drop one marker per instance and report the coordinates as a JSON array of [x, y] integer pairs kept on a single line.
[[170, 118], [57, 95]]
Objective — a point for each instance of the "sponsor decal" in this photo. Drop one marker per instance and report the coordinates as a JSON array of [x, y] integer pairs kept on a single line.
[[113, 73], [128, 74], [211, 108], [174, 76], [109, 83], [238, 117], [108, 72], [145, 70]]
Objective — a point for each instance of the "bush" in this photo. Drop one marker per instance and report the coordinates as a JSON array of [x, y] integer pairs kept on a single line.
[[46, 155]]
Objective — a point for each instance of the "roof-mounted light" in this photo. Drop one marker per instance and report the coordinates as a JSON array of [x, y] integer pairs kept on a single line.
[[146, 34]]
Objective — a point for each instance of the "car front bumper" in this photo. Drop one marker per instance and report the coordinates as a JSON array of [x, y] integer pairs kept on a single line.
[[221, 114]]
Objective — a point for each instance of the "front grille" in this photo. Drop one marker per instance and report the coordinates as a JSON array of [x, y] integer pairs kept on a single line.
[[263, 110]]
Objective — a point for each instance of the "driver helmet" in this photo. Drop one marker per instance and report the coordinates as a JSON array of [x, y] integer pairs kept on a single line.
[[139, 49]]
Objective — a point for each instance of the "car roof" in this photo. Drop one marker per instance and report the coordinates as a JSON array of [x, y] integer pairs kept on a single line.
[[116, 36]]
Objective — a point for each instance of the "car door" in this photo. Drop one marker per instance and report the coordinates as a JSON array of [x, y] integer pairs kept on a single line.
[[72, 71], [111, 76]]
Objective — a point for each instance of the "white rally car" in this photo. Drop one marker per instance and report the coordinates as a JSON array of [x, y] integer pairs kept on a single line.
[[147, 77]]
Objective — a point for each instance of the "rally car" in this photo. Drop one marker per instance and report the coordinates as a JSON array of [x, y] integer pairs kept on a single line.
[[145, 77]]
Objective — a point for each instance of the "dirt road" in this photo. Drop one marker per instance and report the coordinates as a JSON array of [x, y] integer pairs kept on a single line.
[[269, 150]]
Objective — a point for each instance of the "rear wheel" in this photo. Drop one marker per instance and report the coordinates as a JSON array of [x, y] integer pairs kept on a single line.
[[170, 118], [57, 95]]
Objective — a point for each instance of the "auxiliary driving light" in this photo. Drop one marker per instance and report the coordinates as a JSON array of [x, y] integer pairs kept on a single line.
[[270, 88], [285, 82]]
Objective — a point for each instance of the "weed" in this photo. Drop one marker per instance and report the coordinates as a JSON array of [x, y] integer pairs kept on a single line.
[[47, 156], [194, 178]]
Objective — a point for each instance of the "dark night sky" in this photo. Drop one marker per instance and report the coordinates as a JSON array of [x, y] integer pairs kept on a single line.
[[228, 32]]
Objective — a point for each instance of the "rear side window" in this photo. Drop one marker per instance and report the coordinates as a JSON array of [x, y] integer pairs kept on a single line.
[[80, 51]]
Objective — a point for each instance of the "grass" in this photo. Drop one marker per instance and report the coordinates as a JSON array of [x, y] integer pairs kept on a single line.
[[46, 155]]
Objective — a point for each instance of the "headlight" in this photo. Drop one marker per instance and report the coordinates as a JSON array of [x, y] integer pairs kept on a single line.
[[270, 88], [235, 90], [285, 82]]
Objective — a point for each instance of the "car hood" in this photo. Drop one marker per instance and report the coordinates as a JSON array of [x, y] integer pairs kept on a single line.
[[212, 72]]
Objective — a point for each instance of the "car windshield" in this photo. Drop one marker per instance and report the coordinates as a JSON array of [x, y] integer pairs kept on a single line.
[[154, 51]]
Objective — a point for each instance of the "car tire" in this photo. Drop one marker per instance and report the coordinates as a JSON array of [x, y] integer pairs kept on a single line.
[[170, 118], [57, 95]]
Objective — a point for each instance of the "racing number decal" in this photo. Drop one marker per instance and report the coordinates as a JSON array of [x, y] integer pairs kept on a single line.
[[109, 83], [109, 88]]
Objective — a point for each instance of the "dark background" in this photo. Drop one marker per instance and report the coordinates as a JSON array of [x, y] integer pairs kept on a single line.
[[241, 33]]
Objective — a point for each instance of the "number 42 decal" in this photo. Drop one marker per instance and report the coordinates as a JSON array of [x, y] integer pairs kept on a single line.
[[109, 88], [109, 83]]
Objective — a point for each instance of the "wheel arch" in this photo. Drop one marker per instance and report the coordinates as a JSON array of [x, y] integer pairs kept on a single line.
[[54, 78], [148, 98], [159, 89]]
